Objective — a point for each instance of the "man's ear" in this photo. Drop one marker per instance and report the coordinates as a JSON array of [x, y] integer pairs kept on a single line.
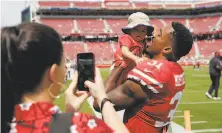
[[53, 73], [167, 50]]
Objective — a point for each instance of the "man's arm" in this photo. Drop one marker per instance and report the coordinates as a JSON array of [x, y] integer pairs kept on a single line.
[[127, 94]]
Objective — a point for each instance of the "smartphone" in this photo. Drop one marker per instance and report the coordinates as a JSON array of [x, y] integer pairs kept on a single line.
[[86, 69]]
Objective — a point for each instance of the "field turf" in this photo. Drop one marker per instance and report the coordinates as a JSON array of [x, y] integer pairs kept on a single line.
[[206, 113]]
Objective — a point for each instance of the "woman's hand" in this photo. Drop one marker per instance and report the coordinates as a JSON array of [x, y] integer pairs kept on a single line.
[[97, 89], [73, 98]]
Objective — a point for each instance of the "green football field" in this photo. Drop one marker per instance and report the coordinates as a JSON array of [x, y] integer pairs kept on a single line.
[[205, 113]]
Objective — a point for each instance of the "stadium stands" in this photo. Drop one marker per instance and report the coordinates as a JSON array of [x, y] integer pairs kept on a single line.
[[203, 25], [127, 4], [117, 4], [54, 3], [116, 25], [63, 26], [207, 4], [91, 26], [112, 26], [97, 26], [72, 48], [83, 4], [208, 47], [177, 6], [102, 50]]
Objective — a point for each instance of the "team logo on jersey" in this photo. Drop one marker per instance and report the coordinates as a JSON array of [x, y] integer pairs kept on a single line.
[[179, 80]]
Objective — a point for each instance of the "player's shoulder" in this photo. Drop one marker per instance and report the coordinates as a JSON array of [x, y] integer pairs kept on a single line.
[[159, 68]]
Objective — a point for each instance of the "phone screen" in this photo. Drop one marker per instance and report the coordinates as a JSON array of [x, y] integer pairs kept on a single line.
[[86, 69]]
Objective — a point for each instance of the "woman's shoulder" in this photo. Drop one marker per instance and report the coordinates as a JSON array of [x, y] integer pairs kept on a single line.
[[88, 124]]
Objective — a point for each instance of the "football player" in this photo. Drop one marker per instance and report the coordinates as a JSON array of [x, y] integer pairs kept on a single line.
[[153, 88]]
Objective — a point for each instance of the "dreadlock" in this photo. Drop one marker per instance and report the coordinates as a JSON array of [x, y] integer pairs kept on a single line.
[[183, 39]]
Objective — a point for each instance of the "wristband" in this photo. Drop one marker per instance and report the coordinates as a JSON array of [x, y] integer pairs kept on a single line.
[[103, 102]]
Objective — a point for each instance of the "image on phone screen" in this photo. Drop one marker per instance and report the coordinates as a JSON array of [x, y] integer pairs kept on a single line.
[[86, 68]]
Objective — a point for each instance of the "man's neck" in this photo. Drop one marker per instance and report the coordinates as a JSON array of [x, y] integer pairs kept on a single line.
[[159, 57]]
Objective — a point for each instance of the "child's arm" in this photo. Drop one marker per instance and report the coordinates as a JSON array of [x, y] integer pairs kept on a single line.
[[126, 53]]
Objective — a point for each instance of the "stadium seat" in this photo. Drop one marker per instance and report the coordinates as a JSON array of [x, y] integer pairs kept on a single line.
[[71, 49], [80, 4], [63, 26], [208, 47], [177, 6], [118, 4], [102, 50], [116, 25], [54, 3], [91, 26], [203, 25]]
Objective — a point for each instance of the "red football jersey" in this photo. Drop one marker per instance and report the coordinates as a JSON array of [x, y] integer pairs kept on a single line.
[[166, 81], [134, 47]]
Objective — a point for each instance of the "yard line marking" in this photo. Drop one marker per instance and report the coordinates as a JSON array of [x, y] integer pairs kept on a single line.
[[215, 102], [198, 122], [200, 75], [181, 116], [207, 130], [196, 91]]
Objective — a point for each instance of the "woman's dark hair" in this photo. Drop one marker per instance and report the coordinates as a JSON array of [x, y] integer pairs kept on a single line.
[[183, 39], [27, 51]]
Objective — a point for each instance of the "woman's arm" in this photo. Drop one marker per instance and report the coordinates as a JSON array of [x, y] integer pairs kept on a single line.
[[109, 114]]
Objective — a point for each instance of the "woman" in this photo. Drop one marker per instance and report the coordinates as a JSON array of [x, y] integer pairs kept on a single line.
[[33, 70]]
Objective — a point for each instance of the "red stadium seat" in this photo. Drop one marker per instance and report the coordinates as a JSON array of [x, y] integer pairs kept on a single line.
[[63, 26], [71, 49], [208, 47], [54, 3], [203, 25], [177, 6], [207, 4], [102, 50], [118, 4], [91, 26], [80, 4], [116, 25], [141, 5]]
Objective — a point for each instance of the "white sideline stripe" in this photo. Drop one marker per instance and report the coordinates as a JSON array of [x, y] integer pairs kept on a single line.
[[147, 77], [198, 122], [207, 130], [181, 116], [219, 102]]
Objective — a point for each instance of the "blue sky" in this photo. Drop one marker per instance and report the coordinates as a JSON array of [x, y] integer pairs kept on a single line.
[[11, 12]]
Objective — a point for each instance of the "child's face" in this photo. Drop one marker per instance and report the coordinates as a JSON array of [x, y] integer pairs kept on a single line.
[[139, 33]]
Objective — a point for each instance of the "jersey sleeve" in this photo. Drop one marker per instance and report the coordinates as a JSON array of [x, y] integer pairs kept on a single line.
[[125, 40], [154, 77], [84, 123]]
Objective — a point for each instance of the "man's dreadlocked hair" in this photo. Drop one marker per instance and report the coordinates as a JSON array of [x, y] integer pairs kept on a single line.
[[183, 39]]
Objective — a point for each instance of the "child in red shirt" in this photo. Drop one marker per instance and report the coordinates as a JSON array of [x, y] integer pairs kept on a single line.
[[129, 48]]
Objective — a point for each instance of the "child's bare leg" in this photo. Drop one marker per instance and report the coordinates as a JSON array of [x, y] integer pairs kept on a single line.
[[111, 81]]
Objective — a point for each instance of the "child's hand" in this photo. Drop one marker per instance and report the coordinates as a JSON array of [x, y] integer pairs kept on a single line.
[[139, 60]]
